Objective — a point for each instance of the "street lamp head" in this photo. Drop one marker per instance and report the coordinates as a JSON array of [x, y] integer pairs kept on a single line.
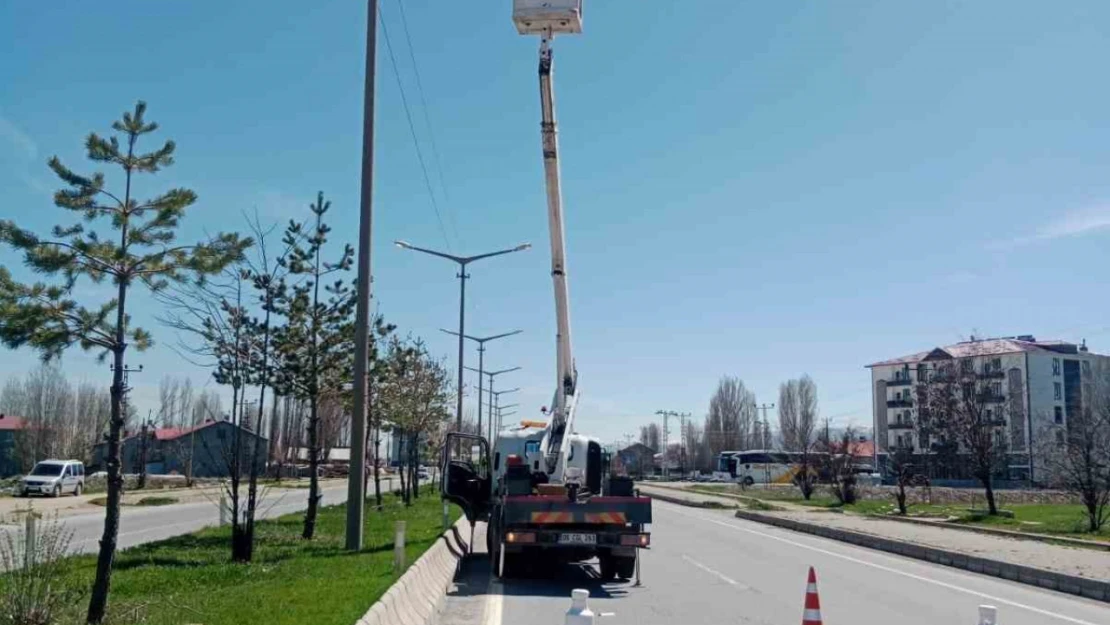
[[403, 245], [522, 247]]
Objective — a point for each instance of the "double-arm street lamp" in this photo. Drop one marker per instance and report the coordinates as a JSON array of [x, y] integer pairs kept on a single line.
[[462, 261], [492, 375], [501, 413], [481, 341]]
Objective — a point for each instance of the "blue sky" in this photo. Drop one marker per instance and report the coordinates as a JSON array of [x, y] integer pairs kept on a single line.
[[758, 189]]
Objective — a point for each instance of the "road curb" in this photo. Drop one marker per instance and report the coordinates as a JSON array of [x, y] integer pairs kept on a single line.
[[1070, 584], [991, 531], [417, 597], [712, 505]]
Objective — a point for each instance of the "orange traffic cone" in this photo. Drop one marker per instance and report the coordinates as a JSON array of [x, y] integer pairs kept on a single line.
[[812, 614]]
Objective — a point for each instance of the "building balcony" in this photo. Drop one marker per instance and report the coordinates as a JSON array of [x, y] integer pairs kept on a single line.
[[996, 374], [899, 426], [898, 382], [899, 403], [992, 398]]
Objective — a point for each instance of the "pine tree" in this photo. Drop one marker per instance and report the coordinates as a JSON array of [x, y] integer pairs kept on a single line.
[[317, 342], [48, 317]]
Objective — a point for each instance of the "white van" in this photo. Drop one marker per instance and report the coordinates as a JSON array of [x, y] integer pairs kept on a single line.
[[54, 477]]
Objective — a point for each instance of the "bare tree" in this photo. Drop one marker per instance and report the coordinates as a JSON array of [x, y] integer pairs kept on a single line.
[[798, 420], [1077, 454], [807, 408], [62, 420], [788, 414], [969, 411], [732, 415], [837, 460]]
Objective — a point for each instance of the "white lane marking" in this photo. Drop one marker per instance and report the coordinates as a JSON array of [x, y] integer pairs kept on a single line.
[[494, 603], [888, 569], [712, 572]]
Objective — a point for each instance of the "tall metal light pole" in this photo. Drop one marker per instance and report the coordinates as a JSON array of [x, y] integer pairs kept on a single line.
[[463, 261], [765, 430], [356, 477], [492, 375], [481, 361], [495, 404], [501, 413]]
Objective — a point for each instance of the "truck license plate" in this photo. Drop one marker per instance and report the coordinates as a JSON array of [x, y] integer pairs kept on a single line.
[[578, 539]]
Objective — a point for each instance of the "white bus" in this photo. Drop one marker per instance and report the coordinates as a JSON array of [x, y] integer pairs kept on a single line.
[[758, 466]]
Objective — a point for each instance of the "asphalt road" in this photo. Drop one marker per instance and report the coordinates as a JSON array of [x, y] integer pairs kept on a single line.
[[140, 525], [706, 566]]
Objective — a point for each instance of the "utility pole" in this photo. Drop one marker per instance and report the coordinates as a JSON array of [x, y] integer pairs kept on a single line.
[[666, 437], [765, 429], [356, 484]]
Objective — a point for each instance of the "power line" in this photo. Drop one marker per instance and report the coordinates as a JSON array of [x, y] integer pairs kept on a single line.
[[412, 131], [428, 123]]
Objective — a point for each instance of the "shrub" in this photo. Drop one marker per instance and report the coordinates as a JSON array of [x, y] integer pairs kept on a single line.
[[34, 590]]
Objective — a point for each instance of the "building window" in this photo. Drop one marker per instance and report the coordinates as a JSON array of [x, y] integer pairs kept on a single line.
[[996, 364], [1058, 413], [1086, 368], [1059, 437], [1055, 366], [1057, 391], [990, 416], [966, 365], [996, 389]]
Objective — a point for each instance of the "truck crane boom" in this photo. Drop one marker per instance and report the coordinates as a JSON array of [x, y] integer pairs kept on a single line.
[[563, 404], [546, 491]]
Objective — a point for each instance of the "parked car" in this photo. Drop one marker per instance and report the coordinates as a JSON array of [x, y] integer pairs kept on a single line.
[[54, 477]]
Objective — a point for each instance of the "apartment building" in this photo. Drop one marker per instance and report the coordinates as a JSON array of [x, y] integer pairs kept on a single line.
[[1036, 386]]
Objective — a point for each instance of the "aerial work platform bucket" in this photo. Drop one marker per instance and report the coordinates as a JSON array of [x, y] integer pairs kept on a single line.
[[540, 17]]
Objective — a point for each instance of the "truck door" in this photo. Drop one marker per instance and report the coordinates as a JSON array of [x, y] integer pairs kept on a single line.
[[466, 474]]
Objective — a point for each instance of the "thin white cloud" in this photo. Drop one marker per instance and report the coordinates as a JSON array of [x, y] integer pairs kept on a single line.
[[23, 144], [1071, 224]]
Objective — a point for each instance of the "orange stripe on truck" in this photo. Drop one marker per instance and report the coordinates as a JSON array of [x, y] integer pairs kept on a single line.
[[605, 517], [553, 517]]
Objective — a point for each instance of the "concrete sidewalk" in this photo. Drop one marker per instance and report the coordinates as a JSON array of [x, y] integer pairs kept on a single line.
[[1079, 562]]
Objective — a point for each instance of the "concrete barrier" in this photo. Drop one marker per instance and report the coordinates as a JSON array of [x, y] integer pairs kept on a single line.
[[1070, 584], [417, 597]]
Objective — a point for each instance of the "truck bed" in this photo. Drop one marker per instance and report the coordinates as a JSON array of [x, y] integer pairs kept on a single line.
[[558, 510]]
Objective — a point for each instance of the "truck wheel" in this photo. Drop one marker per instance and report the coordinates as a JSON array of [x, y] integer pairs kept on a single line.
[[625, 566], [606, 567], [748, 481], [507, 565]]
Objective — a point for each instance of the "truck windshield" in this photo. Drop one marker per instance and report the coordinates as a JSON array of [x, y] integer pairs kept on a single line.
[[47, 470]]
